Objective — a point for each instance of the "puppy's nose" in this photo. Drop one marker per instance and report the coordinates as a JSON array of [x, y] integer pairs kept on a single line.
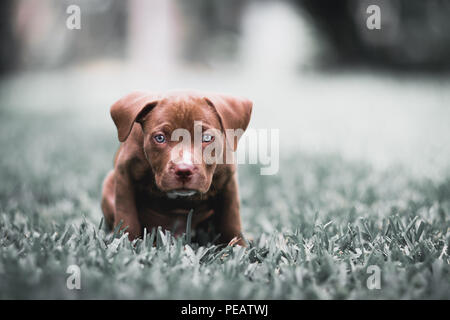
[[184, 171]]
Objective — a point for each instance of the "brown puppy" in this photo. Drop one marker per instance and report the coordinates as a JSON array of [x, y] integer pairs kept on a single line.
[[155, 182]]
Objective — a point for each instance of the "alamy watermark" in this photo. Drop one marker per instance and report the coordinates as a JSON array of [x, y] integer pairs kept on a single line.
[[73, 21], [374, 280], [256, 146], [374, 20], [74, 280]]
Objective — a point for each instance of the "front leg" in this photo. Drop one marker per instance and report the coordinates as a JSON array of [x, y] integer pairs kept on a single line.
[[125, 205], [228, 220]]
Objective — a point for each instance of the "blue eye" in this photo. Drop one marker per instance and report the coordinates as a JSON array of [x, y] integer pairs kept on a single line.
[[207, 138], [160, 138]]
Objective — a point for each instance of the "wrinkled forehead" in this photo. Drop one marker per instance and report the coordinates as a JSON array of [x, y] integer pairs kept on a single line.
[[176, 112]]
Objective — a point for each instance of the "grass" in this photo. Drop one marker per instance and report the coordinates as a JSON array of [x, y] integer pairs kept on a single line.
[[314, 229]]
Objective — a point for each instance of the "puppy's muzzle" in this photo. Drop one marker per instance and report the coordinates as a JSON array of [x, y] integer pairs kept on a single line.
[[184, 172]]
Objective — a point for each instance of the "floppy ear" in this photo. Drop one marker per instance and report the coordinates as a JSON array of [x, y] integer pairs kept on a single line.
[[130, 109], [234, 113]]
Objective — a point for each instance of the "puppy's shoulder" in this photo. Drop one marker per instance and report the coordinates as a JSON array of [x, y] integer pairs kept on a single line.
[[223, 175], [130, 158]]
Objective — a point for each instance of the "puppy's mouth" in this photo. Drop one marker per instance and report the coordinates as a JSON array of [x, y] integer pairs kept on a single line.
[[181, 193]]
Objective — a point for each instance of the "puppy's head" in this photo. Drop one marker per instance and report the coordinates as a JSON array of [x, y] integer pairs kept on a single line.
[[186, 134]]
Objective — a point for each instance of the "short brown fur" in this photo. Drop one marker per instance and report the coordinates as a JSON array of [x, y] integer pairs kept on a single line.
[[135, 191]]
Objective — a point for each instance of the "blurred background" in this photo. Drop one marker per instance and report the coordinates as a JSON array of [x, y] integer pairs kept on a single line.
[[313, 68]]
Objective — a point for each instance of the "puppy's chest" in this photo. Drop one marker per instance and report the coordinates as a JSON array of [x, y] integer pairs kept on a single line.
[[149, 197], [171, 214]]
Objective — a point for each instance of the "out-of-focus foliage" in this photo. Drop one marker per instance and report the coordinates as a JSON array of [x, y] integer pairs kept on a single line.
[[413, 35]]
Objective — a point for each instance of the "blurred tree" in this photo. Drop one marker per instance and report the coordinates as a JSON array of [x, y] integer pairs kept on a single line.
[[34, 33], [212, 29], [414, 34], [9, 45]]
